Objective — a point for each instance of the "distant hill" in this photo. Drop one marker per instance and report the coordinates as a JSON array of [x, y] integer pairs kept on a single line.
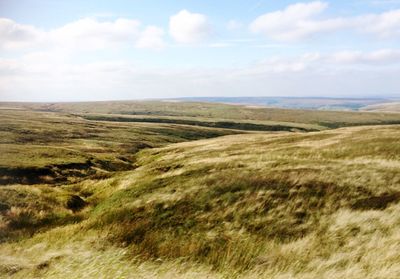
[[316, 103], [384, 107], [207, 114]]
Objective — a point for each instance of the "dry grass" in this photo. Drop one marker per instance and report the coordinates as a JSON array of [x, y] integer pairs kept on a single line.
[[45, 147], [386, 107], [257, 186], [196, 110], [289, 205], [351, 244]]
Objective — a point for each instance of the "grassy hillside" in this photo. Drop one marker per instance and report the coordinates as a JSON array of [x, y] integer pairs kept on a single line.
[[228, 201], [208, 122], [39, 145], [319, 103], [268, 205], [386, 107], [43, 154], [218, 112]]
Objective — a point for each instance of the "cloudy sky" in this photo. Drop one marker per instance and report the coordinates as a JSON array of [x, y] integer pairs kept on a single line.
[[52, 50]]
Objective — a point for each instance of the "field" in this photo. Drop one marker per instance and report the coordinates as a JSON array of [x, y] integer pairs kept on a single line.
[[197, 190]]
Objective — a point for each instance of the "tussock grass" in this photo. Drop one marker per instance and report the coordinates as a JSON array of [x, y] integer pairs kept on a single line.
[[288, 205], [43, 147], [245, 197], [47, 149]]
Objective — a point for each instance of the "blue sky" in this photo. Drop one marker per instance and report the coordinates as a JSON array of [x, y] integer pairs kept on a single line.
[[102, 50]]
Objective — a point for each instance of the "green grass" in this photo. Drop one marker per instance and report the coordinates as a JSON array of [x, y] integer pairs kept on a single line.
[[198, 202], [45, 149], [50, 144], [269, 189], [329, 119], [204, 122]]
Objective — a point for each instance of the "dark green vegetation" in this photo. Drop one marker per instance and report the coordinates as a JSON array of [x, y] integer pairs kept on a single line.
[[92, 196], [246, 126]]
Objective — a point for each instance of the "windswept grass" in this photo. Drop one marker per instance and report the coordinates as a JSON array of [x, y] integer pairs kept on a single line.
[[43, 150], [44, 147], [243, 193], [256, 205]]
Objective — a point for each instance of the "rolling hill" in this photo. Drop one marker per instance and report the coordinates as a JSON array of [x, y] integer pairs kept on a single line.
[[181, 200], [315, 103], [385, 107], [158, 111]]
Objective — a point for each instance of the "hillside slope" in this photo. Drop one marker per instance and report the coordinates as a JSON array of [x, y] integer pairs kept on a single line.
[[386, 107], [47, 143], [216, 112], [44, 154], [315, 205], [316, 103]]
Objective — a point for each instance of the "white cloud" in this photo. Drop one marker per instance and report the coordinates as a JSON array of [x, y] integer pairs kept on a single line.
[[385, 25], [187, 27], [385, 2], [83, 34], [294, 22], [151, 37], [14, 35], [44, 76], [302, 20], [334, 61], [383, 56], [89, 33]]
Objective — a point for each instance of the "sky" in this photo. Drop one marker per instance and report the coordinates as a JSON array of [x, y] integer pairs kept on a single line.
[[52, 50]]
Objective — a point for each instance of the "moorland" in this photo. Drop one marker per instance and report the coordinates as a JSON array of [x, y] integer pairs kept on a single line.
[[163, 189]]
